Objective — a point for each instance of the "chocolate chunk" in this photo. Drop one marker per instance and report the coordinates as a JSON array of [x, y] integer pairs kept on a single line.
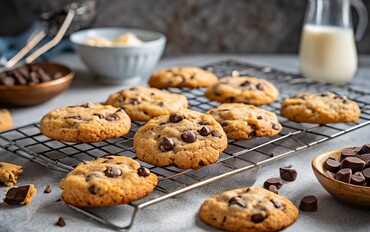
[[77, 117], [189, 136], [348, 152], [259, 86], [34, 77], [112, 117], [44, 77], [166, 145], [308, 204], [288, 174], [357, 179], [60, 222], [344, 175], [112, 172], [143, 171], [174, 118], [93, 189], [16, 195], [330, 174], [47, 189], [273, 181], [273, 188], [364, 149], [259, 217], [332, 164], [354, 163], [365, 158], [223, 124], [216, 134], [205, 131], [92, 176], [245, 83], [20, 80], [276, 203], [274, 126], [366, 173], [99, 115], [237, 201]]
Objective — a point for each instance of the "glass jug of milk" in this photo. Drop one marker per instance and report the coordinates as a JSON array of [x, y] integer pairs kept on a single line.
[[328, 50]]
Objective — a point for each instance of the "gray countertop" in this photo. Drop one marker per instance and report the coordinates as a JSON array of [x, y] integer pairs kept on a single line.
[[180, 213]]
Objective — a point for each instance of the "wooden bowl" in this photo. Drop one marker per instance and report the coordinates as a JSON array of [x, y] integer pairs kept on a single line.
[[29, 95], [350, 194]]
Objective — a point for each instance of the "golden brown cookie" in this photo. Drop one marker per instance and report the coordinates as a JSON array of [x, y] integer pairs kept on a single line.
[[110, 180], [186, 139], [248, 209], [249, 90], [181, 77], [320, 108], [142, 104], [241, 121], [9, 173], [6, 121], [85, 123]]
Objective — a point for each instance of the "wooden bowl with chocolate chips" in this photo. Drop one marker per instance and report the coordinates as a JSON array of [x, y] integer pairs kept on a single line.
[[33, 84], [345, 174]]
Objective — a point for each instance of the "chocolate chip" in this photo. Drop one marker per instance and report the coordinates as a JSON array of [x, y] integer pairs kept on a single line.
[[245, 83], [112, 172], [112, 117], [273, 181], [93, 189], [205, 131], [166, 145], [345, 101], [324, 95], [308, 204], [364, 149], [58, 200], [92, 176], [201, 163], [60, 222], [259, 117], [99, 116], [365, 158], [272, 188], [162, 123], [332, 164], [216, 134], [189, 136], [86, 105], [348, 152], [161, 103], [203, 123], [152, 94], [288, 174], [16, 195], [223, 124], [357, 179], [259, 86], [259, 217], [330, 174], [47, 189], [135, 102], [366, 173], [230, 99], [344, 175], [174, 118], [77, 117], [120, 111], [237, 201], [7, 81], [276, 203], [354, 163], [143, 171], [274, 126]]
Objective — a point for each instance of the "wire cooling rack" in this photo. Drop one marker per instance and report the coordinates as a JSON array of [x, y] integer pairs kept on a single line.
[[240, 156]]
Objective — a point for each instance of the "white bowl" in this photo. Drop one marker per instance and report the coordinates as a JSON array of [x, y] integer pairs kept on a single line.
[[120, 64]]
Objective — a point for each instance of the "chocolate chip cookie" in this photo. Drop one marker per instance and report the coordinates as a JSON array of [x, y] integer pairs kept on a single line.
[[320, 108], [9, 173], [186, 139], [181, 77], [248, 209], [241, 121], [249, 90], [142, 104], [6, 121], [85, 123], [110, 180], [20, 195]]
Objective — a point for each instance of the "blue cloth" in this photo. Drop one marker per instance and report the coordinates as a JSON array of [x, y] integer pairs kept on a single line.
[[10, 45]]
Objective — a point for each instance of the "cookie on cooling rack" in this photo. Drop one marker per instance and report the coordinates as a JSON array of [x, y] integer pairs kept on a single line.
[[243, 89], [110, 180], [248, 209], [9, 173], [6, 121], [241, 121], [320, 108], [85, 123], [142, 104], [186, 139], [182, 76]]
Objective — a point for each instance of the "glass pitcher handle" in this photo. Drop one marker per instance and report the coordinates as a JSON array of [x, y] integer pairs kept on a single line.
[[362, 15]]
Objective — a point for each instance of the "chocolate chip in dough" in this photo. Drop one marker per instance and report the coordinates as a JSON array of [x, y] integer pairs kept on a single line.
[[174, 118], [259, 217], [245, 83], [112, 172], [308, 204], [237, 201], [259, 86], [216, 134], [143, 171], [189, 136], [93, 189], [205, 131], [166, 145], [112, 117]]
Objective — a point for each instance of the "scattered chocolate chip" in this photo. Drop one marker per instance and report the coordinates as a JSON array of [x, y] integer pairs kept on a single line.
[[77, 117], [60, 222], [112, 117], [143, 171], [259, 117], [332, 164], [259, 86], [216, 134], [16, 195], [344, 175], [273, 181], [99, 115], [189, 136], [354, 163], [272, 188], [174, 118], [276, 203], [112, 172], [288, 174], [308, 204], [205, 131], [245, 83], [93, 189], [58, 200], [259, 217], [47, 189], [348, 152], [357, 179], [237, 201], [274, 126], [166, 145]]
